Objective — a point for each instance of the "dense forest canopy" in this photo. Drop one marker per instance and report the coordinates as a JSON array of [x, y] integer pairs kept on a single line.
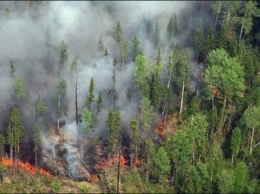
[[168, 90]]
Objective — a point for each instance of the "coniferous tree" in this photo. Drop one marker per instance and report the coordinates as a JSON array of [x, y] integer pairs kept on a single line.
[[64, 55], [156, 83], [19, 88], [156, 36], [15, 132], [91, 97], [2, 146], [99, 102]]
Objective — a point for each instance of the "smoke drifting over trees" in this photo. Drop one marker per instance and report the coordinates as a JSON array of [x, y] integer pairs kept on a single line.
[[33, 42], [163, 88]]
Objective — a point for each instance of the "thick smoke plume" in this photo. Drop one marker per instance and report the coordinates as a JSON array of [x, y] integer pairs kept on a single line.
[[31, 37]]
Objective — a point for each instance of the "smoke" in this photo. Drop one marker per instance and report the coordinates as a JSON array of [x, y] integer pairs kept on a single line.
[[24, 38]]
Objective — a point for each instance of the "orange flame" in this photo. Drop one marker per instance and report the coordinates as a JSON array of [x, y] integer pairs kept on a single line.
[[26, 166], [216, 93], [159, 129], [94, 178], [100, 165], [137, 162]]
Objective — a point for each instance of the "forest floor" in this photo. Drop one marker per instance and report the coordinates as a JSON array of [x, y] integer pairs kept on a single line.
[[20, 181]]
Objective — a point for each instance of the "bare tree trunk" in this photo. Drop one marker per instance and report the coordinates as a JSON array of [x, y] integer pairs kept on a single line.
[[251, 141], [241, 32], [182, 96]]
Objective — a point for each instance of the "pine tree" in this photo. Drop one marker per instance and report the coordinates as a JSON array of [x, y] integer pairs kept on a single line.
[[41, 108], [156, 83], [64, 55], [15, 132], [156, 36], [19, 88], [91, 97], [99, 102], [87, 118], [118, 33], [2, 146], [136, 48], [133, 128]]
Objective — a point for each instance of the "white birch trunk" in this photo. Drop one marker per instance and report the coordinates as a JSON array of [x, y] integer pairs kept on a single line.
[[251, 141]]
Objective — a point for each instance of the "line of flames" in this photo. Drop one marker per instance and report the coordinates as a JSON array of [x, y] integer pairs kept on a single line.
[[101, 164], [25, 165]]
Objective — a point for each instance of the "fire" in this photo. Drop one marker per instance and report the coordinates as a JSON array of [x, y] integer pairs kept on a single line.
[[137, 162], [26, 166], [123, 161], [216, 93], [115, 159], [159, 129], [94, 178]]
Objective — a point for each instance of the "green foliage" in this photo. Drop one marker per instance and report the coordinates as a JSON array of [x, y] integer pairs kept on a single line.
[[146, 113], [198, 126], [41, 108], [251, 187], [162, 162], [57, 184], [251, 116], [241, 177], [225, 181], [133, 129], [199, 39], [62, 87], [172, 27], [136, 48], [2, 145], [91, 97], [84, 189], [87, 118], [236, 141], [225, 74], [118, 33], [141, 74], [19, 88], [15, 130], [113, 123], [99, 102], [64, 54], [156, 86], [195, 105]]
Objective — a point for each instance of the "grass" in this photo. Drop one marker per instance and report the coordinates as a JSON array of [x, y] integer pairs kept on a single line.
[[22, 182]]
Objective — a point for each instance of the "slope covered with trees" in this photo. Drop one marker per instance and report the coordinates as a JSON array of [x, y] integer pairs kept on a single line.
[[141, 97]]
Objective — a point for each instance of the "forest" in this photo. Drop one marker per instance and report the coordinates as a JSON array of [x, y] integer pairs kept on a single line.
[[132, 97]]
